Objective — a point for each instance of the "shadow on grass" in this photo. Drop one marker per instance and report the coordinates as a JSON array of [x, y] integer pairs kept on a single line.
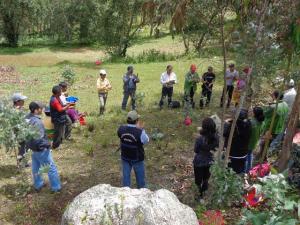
[[15, 51], [7, 171]]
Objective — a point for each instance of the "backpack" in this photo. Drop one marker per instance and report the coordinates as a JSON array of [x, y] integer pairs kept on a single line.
[[175, 104]]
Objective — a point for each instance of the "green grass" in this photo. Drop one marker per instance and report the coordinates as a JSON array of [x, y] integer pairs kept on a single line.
[[92, 158]]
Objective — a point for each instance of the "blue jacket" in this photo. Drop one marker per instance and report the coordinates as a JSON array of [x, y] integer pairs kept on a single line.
[[42, 142]]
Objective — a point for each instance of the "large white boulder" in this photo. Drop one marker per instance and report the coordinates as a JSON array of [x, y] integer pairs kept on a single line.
[[107, 205]]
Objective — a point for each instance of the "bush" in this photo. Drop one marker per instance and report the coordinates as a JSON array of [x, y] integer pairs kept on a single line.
[[68, 75]]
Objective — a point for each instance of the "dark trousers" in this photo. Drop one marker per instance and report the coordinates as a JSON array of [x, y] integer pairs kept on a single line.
[[237, 165], [229, 91], [21, 150], [68, 128], [166, 91], [128, 94], [202, 175], [189, 97], [206, 93], [59, 133]]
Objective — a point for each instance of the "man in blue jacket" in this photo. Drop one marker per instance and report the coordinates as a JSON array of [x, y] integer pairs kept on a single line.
[[133, 137], [41, 155]]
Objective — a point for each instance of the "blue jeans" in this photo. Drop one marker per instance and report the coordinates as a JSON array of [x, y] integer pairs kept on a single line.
[[276, 143], [248, 164], [139, 170], [44, 158], [128, 94]]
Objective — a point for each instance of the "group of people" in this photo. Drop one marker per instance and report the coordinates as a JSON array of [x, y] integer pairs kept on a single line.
[[61, 113]]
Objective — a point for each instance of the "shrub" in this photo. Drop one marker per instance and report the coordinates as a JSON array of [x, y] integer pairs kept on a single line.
[[68, 74]]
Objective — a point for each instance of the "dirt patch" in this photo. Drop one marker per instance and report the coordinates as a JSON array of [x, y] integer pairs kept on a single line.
[[9, 75]]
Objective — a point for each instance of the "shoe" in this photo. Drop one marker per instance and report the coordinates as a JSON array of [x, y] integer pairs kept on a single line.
[[39, 189], [56, 192]]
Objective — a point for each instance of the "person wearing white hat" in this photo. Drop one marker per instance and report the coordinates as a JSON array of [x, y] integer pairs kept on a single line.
[[290, 94], [103, 87]]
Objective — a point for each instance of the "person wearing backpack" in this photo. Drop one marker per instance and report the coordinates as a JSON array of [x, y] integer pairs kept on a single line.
[[207, 142], [133, 137], [130, 80], [167, 79]]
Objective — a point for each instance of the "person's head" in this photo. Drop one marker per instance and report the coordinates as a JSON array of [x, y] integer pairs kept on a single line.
[[246, 70], [64, 86], [193, 68], [102, 74], [47, 111], [130, 70], [133, 117], [36, 108], [291, 83], [210, 69], [276, 94], [56, 90], [169, 69], [231, 67], [243, 114], [258, 114], [18, 99], [209, 127]]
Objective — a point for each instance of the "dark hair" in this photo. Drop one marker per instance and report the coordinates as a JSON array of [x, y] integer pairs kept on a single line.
[[63, 84], [47, 113], [34, 106], [129, 68], [130, 121], [277, 94], [258, 114], [208, 129], [231, 65], [169, 66], [243, 114], [56, 89]]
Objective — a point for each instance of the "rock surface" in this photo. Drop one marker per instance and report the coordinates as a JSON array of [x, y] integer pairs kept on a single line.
[[107, 205]]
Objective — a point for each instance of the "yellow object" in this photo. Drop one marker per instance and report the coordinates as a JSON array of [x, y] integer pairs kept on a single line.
[[103, 86]]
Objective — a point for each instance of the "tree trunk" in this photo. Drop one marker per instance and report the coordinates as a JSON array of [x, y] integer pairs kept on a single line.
[[285, 153]]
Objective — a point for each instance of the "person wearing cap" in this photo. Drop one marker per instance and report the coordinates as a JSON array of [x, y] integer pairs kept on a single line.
[[190, 85], [208, 80], [231, 76], [133, 137], [129, 80], [18, 103], [103, 87], [41, 154], [290, 94], [58, 116], [240, 141], [167, 79]]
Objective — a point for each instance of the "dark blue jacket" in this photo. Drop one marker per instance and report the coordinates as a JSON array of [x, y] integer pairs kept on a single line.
[[204, 156], [131, 144], [41, 143]]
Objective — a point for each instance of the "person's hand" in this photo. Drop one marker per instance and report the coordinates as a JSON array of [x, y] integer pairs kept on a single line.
[[268, 135], [140, 124]]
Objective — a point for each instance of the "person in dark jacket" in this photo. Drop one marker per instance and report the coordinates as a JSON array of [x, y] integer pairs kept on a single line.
[[41, 154], [240, 141], [133, 137], [58, 116], [204, 145]]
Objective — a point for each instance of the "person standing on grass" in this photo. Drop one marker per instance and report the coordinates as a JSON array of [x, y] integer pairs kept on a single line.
[[256, 132], [240, 141], [190, 85], [58, 116], [103, 87], [167, 79], [18, 103], [231, 76], [133, 137], [41, 154], [207, 142], [130, 80], [63, 98], [208, 80]]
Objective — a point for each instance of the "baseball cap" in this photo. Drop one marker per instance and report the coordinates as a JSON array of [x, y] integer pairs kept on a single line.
[[102, 72], [133, 115], [18, 97]]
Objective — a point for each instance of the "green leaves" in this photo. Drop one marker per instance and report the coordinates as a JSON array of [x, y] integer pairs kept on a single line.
[[68, 75]]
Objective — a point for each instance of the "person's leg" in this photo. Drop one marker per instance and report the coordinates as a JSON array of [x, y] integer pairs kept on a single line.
[[276, 143], [248, 164], [126, 168], [223, 96], [237, 165], [163, 95], [170, 94], [21, 151], [133, 100], [208, 97], [105, 99], [192, 93], [198, 178], [206, 175], [139, 170], [203, 95], [101, 101], [68, 127], [58, 135], [46, 159], [35, 167], [125, 100], [230, 91]]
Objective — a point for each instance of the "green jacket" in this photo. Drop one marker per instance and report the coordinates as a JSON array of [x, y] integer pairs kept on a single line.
[[280, 118], [189, 83], [256, 131]]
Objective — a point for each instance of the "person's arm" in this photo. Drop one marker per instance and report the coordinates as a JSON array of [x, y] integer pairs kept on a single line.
[[162, 80], [197, 145], [56, 105], [108, 86], [98, 84], [136, 78], [174, 78], [125, 79], [144, 137]]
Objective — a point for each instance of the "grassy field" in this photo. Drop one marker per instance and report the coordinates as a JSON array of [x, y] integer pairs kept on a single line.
[[92, 158]]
